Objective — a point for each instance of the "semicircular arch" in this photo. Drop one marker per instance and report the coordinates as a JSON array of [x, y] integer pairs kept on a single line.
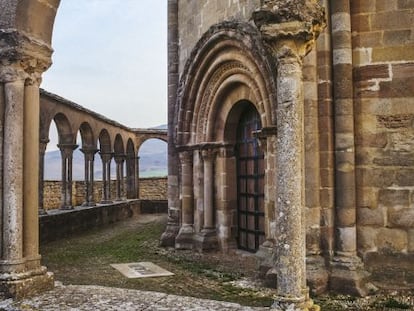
[[229, 57]]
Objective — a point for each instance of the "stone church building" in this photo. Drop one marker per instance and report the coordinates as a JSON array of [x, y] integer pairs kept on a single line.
[[291, 135]]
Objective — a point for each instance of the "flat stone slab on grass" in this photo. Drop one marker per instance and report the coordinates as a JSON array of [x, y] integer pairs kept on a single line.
[[141, 270]]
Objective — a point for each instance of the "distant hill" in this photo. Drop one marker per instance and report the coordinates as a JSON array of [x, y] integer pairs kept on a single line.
[[152, 162]]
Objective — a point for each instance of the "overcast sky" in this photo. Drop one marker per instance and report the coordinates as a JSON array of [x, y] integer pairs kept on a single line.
[[111, 57]]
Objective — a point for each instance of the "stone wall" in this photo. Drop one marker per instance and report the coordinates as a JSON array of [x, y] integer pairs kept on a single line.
[[150, 189], [383, 56], [196, 17], [154, 188]]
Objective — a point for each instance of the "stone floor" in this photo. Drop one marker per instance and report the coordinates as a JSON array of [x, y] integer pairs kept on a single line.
[[97, 298]]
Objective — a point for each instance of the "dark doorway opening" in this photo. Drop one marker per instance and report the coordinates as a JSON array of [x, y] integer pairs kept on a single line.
[[250, 182]]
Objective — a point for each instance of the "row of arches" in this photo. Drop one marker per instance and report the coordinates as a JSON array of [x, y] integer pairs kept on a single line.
[[98, 137]]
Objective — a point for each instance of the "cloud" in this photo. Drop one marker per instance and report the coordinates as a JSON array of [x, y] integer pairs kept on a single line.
[[111, 57]]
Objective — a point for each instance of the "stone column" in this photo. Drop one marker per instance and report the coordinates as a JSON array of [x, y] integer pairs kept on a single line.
[[348, 274], [66, 151], [20, 271], [42, 150], [119, 160], [89, 155], [184, 239], [173, 224], [106, 177], [207, 238], [131, 176], [137, 178], [290, 40]]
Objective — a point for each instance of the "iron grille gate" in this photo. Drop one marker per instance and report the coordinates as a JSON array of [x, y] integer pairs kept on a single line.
[[250, 179]]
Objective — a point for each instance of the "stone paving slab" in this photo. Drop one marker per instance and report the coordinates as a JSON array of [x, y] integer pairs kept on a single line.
[[97, 298]]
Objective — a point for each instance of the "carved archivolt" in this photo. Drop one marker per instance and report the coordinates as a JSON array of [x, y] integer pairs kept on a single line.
[[230, 54]]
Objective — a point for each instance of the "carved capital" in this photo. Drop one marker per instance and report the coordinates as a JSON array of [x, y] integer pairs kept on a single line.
[[23, 57], [106, 156], [295, 24], [208, 154], [67, 149], [119, 158]]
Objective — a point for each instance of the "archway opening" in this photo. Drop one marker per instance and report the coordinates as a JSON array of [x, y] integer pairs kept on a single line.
[[153, 158]]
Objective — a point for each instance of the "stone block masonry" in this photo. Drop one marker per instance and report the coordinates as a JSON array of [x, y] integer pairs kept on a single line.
[[149, 188]]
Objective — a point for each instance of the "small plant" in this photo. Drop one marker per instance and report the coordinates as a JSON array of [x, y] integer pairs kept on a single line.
[[393, 303]]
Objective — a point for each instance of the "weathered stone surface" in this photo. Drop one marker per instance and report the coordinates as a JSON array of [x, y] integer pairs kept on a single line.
[[371, 217], [391, 197], [391, 240], [402, 218]]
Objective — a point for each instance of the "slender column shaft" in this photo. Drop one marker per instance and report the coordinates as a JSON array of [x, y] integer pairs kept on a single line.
[[31, 176], [108, 185], [66, 151], [89, 176], [64, 180], [344, 130], [69, 202], [290, 183], [104, 182], [187, 188], [208, 189], [137, 179], [13, 173], [42, 151], [168, 237]]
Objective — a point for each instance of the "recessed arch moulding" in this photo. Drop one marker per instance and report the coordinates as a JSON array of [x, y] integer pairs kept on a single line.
[[229, 69]]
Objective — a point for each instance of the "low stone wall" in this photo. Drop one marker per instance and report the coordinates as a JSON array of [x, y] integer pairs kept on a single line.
[[58, 224], [153, 188], [149, 189]]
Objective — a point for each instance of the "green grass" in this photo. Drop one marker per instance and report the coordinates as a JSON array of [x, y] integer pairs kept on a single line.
[[86, 259]]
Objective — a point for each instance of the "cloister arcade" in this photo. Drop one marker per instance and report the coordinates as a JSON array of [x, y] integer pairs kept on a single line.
[[99, 136]]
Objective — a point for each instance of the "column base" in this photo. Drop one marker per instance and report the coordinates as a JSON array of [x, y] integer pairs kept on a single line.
[[105, 202], [88, 204], [66, 208], [264, 257], [303, 303], [21, 285], [206, 240], [168, 236], [184, 239], [348, 276], [42, 212], [317, 274]]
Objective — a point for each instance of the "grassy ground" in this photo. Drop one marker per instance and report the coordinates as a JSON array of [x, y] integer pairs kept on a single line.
[[85, 259]]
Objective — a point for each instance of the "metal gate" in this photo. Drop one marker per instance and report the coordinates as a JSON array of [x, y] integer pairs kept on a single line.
[[250, 182]]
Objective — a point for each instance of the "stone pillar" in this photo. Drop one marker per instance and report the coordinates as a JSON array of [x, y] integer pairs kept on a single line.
[[173, 224], [184, 239], [226, 209], [348, 274], [119, 160], [42, 150], [106, 158], [20, 271], [207, 238], [290, 40], [137, 178], [131, 176], [89, 155], [66, 151]]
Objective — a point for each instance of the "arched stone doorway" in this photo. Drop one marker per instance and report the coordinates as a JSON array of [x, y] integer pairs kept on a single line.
[[250, 181]]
